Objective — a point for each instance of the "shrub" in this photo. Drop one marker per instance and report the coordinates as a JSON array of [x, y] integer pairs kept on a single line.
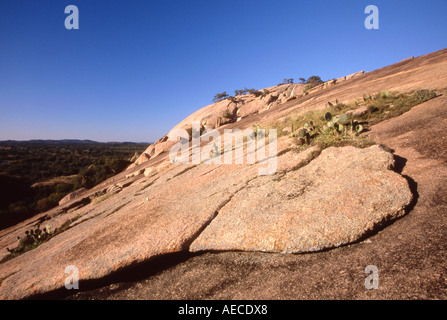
[[257, 93], [227, 115], [314, 81], [286, 81], [220, 96], [388, 105], [244, 91], [189, 130], [422, 96], [45, 204]]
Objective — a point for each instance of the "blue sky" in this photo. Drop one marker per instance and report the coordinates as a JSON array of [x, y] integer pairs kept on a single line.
[[134, 69]]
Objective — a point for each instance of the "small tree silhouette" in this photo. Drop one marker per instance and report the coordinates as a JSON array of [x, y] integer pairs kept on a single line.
[[220, 96]]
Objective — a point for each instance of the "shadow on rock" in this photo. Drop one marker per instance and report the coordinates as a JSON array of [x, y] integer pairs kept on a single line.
[[399, 166], [119, 280]]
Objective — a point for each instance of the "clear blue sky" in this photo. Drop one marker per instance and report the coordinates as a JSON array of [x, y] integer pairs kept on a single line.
[[136, 68]]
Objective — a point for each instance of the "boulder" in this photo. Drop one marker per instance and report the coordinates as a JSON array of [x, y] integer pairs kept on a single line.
[[335, 200], [215, 110], [114, 189], [72, 196], [271, 98], [165, 138], [251, 108], [296, 90], [355, 75], [315, 89], [407, 59], [134, 174], [146, 155], [213, 122], [163, 147], [330, 83], [149, 171], [134, 157]]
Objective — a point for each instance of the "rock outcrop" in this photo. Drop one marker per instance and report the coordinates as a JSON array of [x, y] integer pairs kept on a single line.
[[318, 206], [72, 196], [335, 200], [242, 106], [311, 203]]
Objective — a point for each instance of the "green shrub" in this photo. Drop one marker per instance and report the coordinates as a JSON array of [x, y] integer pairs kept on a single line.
[[422, 96], [287, 81], [314, 81], [244, 91], [220, 96], [386, 105], [265, 92], [45, 204], [227, 114], [257, 93]]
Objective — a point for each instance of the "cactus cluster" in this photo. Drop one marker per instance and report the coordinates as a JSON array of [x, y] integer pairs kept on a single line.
[[336, 125], [332, 104], [342, 124], [337, 105], [32, 238], [385, 94], [306, 133], [381, 95], [257, 133]]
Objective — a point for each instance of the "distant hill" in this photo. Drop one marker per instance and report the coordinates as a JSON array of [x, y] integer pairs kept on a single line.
[[65, 141]]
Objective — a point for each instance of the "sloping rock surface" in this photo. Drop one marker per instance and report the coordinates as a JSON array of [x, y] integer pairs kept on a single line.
[[335, 200], [171, 207], [72, 196], [157, 215]]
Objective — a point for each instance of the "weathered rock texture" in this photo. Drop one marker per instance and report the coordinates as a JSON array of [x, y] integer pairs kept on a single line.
[[335, 200], [409, 253], [171, 206]]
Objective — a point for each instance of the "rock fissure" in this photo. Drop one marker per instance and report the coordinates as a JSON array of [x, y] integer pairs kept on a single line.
[[330, 202], [216, 213], [353, 194]]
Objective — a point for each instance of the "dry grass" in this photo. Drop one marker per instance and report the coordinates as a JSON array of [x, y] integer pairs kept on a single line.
[[382, 106]]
